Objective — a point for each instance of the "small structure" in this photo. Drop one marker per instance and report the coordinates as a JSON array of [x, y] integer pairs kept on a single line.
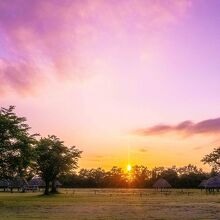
[[37, 183], [213, 183], [17, 182], [161, 184], [58, 184], [202, 185], [4, 184]]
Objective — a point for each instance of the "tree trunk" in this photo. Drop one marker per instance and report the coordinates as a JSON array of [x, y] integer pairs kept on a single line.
[[54, 188], [47, 186]]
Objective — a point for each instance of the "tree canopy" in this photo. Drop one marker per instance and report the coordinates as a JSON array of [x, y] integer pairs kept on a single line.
[[54, 159], [213, 159], [16, 144]]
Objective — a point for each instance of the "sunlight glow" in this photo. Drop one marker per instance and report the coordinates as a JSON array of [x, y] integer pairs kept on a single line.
[[128, 167]]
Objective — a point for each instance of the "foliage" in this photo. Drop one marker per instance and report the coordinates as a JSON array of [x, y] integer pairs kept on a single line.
[[16, 144], [54, 159], [139, 177], [213, 159]]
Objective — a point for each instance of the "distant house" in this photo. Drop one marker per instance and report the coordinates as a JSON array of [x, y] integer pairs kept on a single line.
[[37, 182], [161, 184], [20, 183], [58, 183], [203, 184], [4, 184], [211, 184], [16, 182]]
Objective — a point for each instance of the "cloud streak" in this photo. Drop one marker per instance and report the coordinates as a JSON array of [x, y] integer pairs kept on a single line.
[[185, 128], [143, 150], [55, 38]]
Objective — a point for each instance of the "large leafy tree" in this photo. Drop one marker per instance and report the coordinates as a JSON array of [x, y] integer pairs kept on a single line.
[[16, 144], [54, 159], [213, 159]]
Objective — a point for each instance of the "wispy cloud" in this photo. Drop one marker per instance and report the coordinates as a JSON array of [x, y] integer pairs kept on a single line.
[[185, 128], [59, 38], [142, 150], [198, 148]]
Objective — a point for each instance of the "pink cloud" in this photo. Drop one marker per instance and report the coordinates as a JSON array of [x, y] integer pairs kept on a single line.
[[62, 38], [15, 75], [186, 128]]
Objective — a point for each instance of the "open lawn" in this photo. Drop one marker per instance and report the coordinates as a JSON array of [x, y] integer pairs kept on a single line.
[[103, 204]]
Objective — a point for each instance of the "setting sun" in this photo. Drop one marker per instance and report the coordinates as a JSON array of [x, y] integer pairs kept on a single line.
[[128, 167]]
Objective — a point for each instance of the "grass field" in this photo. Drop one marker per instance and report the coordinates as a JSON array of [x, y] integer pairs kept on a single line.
[[126, 204]]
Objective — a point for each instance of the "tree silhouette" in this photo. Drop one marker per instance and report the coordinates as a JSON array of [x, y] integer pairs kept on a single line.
[[16, 144], [54, 159], [213, 159]]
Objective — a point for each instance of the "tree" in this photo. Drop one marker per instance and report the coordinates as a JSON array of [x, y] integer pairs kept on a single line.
[[213, 159], [189, 169], [54, 159], [16, 144], [170, 175], [92, 177], [140, 175], [116, 177], [190, 176]]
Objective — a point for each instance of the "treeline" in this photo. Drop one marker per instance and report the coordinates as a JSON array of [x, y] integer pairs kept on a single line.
[[139, 177]]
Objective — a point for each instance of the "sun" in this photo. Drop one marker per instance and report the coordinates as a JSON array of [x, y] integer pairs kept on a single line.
[[128, 167]]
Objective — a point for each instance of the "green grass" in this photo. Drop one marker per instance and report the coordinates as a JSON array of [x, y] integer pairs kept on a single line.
[[117, 204]]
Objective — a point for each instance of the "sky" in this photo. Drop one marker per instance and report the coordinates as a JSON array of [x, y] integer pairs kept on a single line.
[[130, 81]]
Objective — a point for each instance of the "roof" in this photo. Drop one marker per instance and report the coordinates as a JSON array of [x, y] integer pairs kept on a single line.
[[18, 182], [36, 181], [213, 182], [21, 182], [161, 183], [203, 183], [15, 182], [58, 183], [4, 183]]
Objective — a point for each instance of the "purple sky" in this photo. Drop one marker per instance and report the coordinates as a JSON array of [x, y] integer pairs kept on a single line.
[[116, 78]]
